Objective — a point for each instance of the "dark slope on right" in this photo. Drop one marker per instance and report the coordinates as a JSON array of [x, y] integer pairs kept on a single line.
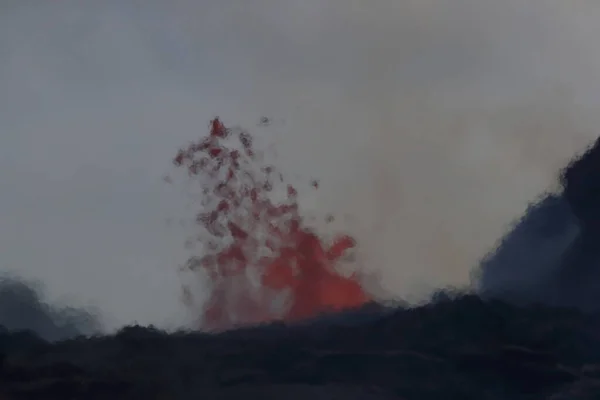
[[552, 256]]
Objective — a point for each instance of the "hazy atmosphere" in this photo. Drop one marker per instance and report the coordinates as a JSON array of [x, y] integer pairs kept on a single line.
[[430, 123]]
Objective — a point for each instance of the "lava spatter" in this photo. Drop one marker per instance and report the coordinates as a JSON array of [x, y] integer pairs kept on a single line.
[[256, 250]]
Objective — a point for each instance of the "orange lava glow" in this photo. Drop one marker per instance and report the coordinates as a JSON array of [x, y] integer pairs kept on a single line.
[[246, 233]]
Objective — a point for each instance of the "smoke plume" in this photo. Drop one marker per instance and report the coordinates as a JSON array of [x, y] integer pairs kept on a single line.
[[430, 124], [24, 308]]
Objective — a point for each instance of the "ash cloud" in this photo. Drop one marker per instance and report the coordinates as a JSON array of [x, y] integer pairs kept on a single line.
[[23, 307], [431, 124]]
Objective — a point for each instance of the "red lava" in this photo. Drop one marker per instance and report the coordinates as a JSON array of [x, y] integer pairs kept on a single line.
[[256, 250]]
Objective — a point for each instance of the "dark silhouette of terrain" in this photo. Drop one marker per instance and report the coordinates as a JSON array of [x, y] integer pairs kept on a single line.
[[455, 348], [530, 330], [552, 256]]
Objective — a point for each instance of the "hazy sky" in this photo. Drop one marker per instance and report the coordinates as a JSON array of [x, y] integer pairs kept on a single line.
[[431, 122]]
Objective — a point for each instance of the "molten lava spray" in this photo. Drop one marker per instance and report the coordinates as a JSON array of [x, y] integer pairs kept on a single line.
[[253, 236]]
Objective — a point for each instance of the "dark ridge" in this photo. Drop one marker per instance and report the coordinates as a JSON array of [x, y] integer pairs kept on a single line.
[[581, 183], [456, 348], [552, 255], [580, 272], [526, 265]]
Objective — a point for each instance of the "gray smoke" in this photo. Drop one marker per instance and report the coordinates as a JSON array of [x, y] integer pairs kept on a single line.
[[23, 307], [432, 124]]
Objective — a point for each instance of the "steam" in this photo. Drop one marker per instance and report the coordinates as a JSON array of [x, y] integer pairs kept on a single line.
[[431, 124]]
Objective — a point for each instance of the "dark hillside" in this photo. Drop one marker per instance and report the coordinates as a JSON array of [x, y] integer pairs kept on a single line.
[[464, 348]]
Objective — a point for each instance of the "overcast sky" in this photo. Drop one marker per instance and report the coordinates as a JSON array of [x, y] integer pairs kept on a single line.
[[432, 124]]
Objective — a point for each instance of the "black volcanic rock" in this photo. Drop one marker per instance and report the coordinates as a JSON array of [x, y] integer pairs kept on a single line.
[[459, 348], [581, 183], [580, 271], [552, 255]]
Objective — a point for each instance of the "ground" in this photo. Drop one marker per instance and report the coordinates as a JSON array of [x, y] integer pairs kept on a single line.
[[455, 348]]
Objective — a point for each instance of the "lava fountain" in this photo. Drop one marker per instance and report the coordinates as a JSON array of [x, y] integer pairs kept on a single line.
[[257, 252]]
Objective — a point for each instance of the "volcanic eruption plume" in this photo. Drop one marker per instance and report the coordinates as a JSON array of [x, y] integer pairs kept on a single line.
[[255, 249]]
